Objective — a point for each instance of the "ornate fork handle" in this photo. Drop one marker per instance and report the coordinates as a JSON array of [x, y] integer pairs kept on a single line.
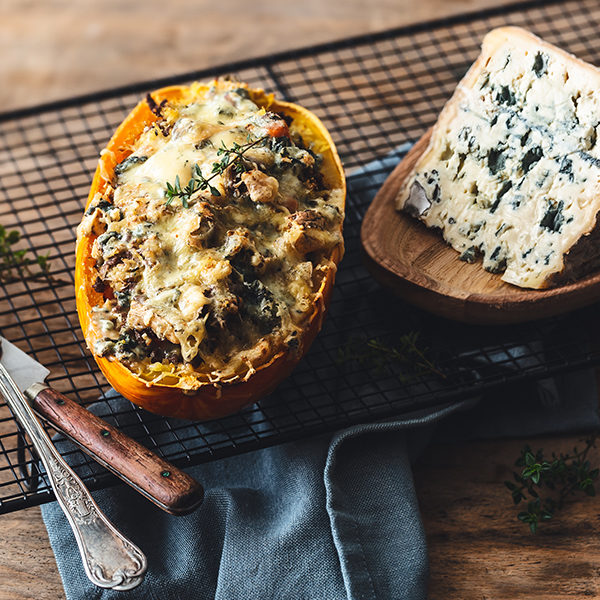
[[110, 560]]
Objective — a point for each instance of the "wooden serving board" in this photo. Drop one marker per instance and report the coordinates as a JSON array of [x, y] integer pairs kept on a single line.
[[418, 265]]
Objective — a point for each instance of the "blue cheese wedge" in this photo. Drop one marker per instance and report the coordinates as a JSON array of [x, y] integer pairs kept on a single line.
[[512, 171]]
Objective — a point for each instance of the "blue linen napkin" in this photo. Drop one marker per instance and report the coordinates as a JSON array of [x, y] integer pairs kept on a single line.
[[329, 518]]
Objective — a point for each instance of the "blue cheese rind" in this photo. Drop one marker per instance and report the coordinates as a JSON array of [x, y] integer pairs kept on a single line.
[[512, 171]]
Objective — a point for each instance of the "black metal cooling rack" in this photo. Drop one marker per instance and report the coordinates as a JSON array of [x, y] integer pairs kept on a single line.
[[376, 94]]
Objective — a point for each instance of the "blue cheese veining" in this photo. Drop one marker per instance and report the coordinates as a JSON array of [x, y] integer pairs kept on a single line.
[[211, 241], [512, 172]]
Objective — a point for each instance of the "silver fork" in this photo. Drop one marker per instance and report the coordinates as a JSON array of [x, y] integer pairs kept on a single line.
[[110, 560]]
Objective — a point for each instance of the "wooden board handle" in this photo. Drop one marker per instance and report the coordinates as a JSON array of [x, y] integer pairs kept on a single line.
[[167, 486]]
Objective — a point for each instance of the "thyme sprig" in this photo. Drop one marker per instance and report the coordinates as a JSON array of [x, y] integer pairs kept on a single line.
[[407, 353], [15, 263], [560, 477], [233, 157], [196, 182]]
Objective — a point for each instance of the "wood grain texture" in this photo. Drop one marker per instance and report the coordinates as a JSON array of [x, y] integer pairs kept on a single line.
[[479, 550], [54, 49], [167, 486], [418, 265], [27, 566]]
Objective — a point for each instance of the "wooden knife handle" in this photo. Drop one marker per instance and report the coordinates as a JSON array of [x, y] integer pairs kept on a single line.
[[167, 486]]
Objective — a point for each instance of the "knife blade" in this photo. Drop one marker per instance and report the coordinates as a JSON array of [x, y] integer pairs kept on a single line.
[[161, 482], [110, 560]]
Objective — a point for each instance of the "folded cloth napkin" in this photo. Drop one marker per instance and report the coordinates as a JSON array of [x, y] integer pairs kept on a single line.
[[329, 518]]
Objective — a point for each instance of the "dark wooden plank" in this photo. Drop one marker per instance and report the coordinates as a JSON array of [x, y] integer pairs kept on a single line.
[[27, 565], [479, 550], [93, 45]]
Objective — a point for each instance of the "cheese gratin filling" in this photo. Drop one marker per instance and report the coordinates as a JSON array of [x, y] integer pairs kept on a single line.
[[211, 241]]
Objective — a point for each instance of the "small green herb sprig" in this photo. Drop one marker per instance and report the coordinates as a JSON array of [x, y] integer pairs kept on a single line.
[[228, 157], [196, 182], [15, 263], [545, 485], [407, 353]]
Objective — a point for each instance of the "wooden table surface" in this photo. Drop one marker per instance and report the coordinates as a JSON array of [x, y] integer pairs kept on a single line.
[[52, 49]]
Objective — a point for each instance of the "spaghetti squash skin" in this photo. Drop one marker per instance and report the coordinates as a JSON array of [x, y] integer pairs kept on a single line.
[[159, 386]]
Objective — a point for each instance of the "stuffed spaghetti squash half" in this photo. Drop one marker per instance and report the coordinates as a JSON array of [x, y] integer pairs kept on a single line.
[[208, 248]]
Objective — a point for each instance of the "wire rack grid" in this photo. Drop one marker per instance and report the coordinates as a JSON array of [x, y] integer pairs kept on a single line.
[[376, 94]]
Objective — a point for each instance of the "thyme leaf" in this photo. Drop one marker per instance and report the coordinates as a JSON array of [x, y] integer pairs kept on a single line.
[[545, 484], [16, 263], [229, 157], [406, 353]]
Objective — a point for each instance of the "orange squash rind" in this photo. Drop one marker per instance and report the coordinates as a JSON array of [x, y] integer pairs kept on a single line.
[[218, 398]]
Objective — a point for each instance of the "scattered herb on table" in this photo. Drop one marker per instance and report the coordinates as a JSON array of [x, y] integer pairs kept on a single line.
[[545, 485], [230, 157], [407, 353], [16, 263]]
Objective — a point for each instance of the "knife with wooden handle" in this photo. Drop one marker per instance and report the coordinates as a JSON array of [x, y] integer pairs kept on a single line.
[[110, 560], [167, 486]]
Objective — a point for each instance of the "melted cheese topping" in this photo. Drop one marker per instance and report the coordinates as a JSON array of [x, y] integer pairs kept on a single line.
[[212, 241]]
